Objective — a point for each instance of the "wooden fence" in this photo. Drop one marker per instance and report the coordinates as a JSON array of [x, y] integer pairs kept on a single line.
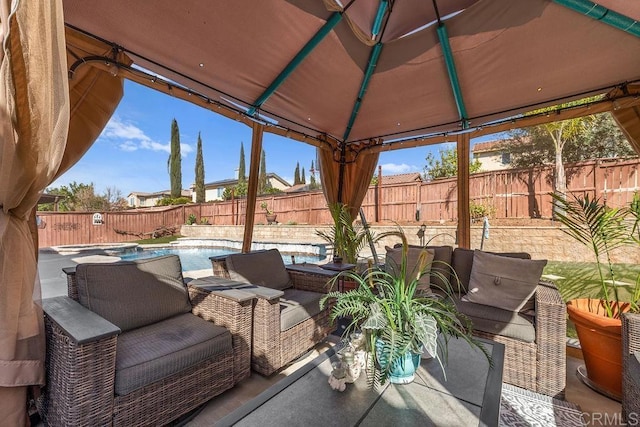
[[519, 193]]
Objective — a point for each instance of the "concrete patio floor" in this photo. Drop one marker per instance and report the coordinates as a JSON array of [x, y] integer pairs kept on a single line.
[[598, 409]]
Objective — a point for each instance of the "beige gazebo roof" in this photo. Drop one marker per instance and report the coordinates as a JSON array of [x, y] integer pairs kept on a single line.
[[272, 59]]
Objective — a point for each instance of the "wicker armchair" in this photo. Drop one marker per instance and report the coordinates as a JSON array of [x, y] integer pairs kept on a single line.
[[631, 367], [86, 375], [279, 334]]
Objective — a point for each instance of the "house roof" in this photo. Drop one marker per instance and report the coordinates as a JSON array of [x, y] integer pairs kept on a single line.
[[163, 193], [402, 178], [488, 146], [234, 181]]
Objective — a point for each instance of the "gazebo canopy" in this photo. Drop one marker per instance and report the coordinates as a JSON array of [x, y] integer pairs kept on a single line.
[[365, 72]]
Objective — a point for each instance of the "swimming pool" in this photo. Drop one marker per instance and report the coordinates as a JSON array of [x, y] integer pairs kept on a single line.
[[198, 258]]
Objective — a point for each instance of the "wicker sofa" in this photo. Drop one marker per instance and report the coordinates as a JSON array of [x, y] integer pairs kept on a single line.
[[631, 368], [534, 336], [125, 347], [287, 320]]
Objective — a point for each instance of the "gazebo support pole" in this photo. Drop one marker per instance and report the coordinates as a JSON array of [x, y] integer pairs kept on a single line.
[[343, 164], [464, 216], [252, 187]]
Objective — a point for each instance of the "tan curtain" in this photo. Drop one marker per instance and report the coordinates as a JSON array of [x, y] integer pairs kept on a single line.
[[357, 177], [37, 117], [34, 110], [628, 119], [94, 94]]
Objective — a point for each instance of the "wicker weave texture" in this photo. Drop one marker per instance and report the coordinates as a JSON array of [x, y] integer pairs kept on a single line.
[[630, 367], [80, 380], [309, 281], [539, 366], [237, 317]]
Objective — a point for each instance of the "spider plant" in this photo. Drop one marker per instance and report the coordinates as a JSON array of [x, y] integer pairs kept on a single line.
[[601, 229], [346, 239], [397, 320]]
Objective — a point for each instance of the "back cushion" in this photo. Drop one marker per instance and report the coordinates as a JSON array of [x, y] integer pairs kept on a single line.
[[440, 267], [463, 261], [393, 265], [262, 268], [131, 294]]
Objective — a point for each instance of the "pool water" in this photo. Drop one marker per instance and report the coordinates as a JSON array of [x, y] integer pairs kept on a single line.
[[198, 258]]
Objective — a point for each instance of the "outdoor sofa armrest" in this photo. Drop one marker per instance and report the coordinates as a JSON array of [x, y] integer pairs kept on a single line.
[[80, 324], [551, 338], [232, 310], [81, 364], [310, 277]]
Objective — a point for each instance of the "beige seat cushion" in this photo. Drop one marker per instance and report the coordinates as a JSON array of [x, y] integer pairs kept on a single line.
[[262, 268], [151, 353]]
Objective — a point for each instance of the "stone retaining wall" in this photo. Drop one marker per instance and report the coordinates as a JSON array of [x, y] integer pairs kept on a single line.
[[541, 242]]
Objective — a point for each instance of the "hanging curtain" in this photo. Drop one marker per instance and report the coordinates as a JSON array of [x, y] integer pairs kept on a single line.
[[34, 110], [358, 172], [35, 122]]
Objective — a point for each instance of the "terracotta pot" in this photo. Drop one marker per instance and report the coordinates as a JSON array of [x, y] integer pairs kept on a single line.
[[601, 343], [271, 218]]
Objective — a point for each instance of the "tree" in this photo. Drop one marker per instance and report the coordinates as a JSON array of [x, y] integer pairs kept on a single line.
[[175, 162], [303, 180], [242, 170], [296, 174], [447, 165], [82, 198], [312, 177], [572, 140], [199, 173], [263, 182]]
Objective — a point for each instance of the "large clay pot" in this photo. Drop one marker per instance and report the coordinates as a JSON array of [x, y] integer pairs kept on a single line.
[[601, 343]]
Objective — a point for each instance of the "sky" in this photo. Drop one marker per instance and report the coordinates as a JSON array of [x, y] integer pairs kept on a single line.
[[131, 153]]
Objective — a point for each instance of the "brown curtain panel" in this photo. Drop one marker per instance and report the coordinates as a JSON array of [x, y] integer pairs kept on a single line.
[[34, 110], [357, 178]]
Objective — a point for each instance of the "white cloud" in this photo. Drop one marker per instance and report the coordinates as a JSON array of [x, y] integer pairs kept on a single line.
[[129, 137], [394, 169]]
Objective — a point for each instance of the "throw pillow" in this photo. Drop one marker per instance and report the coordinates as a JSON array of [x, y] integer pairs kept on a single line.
[[503, 282], [393, 265]]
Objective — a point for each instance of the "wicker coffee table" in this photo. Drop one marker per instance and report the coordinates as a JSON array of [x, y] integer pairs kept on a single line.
[[470, 395]]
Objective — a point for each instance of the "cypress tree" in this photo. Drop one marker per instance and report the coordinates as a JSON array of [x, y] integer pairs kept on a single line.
[[199, 173], [263, 184], [175, 162], [296, 174], [303, 180], [242, 170], [312, 177]]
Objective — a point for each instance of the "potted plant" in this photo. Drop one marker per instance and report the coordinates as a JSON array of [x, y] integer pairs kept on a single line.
[[598, 320], [346, 239], [398, 324], [270, 216]]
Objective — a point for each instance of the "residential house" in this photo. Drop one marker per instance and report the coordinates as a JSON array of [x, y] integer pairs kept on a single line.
[[137, 199], [401, 178], [214, 190], [492, 155]]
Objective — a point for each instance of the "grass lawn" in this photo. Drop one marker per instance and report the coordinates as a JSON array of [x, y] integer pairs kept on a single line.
[[581, 280]]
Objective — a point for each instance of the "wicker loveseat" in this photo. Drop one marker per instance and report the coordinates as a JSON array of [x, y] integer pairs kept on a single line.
[[287, 320], [126, 349], [534, 336]]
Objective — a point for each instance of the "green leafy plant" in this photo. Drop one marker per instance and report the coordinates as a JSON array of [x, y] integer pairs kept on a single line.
[[346, 239], [480, 210], [266, 209], [390, 313], [191, 219], [601, 229], [204, 221]]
